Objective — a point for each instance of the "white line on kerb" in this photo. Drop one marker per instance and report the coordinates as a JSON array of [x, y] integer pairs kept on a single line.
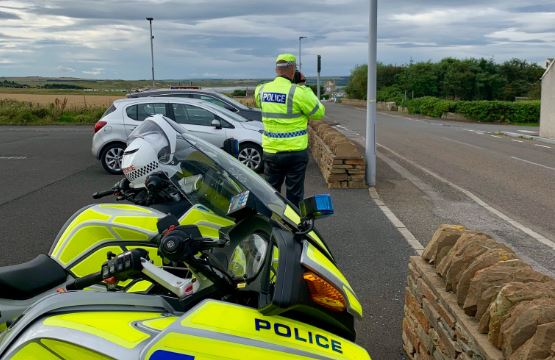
[[398, 224], [533, 163], [538, 237], [13, 157], [543, 146]]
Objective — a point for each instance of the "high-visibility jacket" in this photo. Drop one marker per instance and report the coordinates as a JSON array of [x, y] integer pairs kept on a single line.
[[286, 109]]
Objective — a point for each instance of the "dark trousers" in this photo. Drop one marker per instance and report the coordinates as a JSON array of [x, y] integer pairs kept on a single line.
[[289, 167]]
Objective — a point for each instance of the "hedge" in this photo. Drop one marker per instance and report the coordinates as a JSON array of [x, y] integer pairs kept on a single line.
[[485, 111]]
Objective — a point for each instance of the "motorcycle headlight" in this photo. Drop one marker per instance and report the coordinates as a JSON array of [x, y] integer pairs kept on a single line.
[[248, 257]]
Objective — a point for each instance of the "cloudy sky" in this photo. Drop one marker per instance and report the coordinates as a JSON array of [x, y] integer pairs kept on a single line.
[[239, 38]]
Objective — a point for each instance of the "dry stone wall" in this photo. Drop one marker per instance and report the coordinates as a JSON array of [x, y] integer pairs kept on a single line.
[[471, 297], [339, 159]]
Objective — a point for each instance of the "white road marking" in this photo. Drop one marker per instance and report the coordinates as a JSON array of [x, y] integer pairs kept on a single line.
[[543, 146], [462, 143], [527, 131], [533, 163], [398, 224], [518, 141], [496, 136], [538, 237], [13, 157]]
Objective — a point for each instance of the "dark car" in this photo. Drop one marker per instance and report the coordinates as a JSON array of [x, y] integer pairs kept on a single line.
[[206, 95]]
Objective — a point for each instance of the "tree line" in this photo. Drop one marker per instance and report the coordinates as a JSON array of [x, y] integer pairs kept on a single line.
[[467, 79]]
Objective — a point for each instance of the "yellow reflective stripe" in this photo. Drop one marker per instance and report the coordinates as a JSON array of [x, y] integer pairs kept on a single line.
[[34, 351], [143, 222], [84, 238], [290, 98], [314, 110], [87, 215], [71, 351], [292, 215], [353, 301], [115, 327], [94, 261], [280, 115], [130, 234], [140, 286]]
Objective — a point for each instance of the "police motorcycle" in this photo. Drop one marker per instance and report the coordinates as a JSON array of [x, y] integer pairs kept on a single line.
[[241, 274]]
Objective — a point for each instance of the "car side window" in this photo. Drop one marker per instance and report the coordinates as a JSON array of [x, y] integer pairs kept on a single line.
[[132, 112], [214, 101], [180, 114], [146, 110], [199, 116]]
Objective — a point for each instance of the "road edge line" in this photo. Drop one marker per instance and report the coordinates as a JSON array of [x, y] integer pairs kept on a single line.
[[516, 224], [398, 224]]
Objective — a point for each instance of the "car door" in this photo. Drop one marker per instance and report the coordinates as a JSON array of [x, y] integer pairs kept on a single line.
[[135, 114], [198, 121]]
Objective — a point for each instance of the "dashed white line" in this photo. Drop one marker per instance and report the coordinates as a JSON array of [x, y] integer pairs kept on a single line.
[[462, 143], [496, 136], [13, 157], [543, 146], [533, 163], [518, 141]]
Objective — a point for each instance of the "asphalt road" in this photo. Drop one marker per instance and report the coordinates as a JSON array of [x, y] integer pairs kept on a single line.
[[433, 171], [48, 173]]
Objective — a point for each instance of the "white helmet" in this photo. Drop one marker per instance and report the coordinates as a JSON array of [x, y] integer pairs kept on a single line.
[[150, 149]]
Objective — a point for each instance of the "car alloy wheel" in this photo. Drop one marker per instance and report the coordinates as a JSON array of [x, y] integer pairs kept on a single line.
[[251, 156], [111, 158]]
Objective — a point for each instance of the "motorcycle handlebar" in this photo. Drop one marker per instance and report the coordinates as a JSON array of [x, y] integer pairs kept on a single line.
[[101, 194], [86, 281]]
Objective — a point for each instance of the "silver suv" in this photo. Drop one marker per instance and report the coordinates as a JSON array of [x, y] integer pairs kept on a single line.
[[203, 119]]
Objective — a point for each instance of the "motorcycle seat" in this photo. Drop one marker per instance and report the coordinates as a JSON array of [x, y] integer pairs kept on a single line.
[[26, 280]]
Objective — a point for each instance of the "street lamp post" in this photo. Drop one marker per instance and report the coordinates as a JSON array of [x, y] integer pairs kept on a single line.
[[371, 96], [151, 48], [300, 62]]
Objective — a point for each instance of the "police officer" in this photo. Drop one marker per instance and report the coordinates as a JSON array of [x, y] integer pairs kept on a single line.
[[286, 109]]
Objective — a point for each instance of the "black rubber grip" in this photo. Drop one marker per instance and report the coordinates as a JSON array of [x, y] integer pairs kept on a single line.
[[98, 195], [86, 281]]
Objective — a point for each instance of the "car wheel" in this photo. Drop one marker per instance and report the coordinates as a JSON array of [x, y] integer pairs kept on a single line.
[[111, 158], [251, 156]]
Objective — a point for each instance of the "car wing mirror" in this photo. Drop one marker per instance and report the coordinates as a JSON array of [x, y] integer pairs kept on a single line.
[[316, 207], [217, 123]]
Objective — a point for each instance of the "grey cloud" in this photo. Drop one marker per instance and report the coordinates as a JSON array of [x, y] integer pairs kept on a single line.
[[8, 15]]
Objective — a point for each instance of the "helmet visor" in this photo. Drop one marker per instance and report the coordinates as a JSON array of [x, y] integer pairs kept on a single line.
[[155, 136]]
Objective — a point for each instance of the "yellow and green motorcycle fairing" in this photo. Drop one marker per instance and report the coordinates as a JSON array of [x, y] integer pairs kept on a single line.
[[85, 240], [210, 330]]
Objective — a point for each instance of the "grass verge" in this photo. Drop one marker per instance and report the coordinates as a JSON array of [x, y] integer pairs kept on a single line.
[[14, 112]]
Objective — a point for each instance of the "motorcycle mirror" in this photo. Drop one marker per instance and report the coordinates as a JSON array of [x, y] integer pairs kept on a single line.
[[316, 207], [217, 123]]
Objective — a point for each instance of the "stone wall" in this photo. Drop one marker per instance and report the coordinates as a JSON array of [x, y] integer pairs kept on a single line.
[[471, 297], [340, 160]]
